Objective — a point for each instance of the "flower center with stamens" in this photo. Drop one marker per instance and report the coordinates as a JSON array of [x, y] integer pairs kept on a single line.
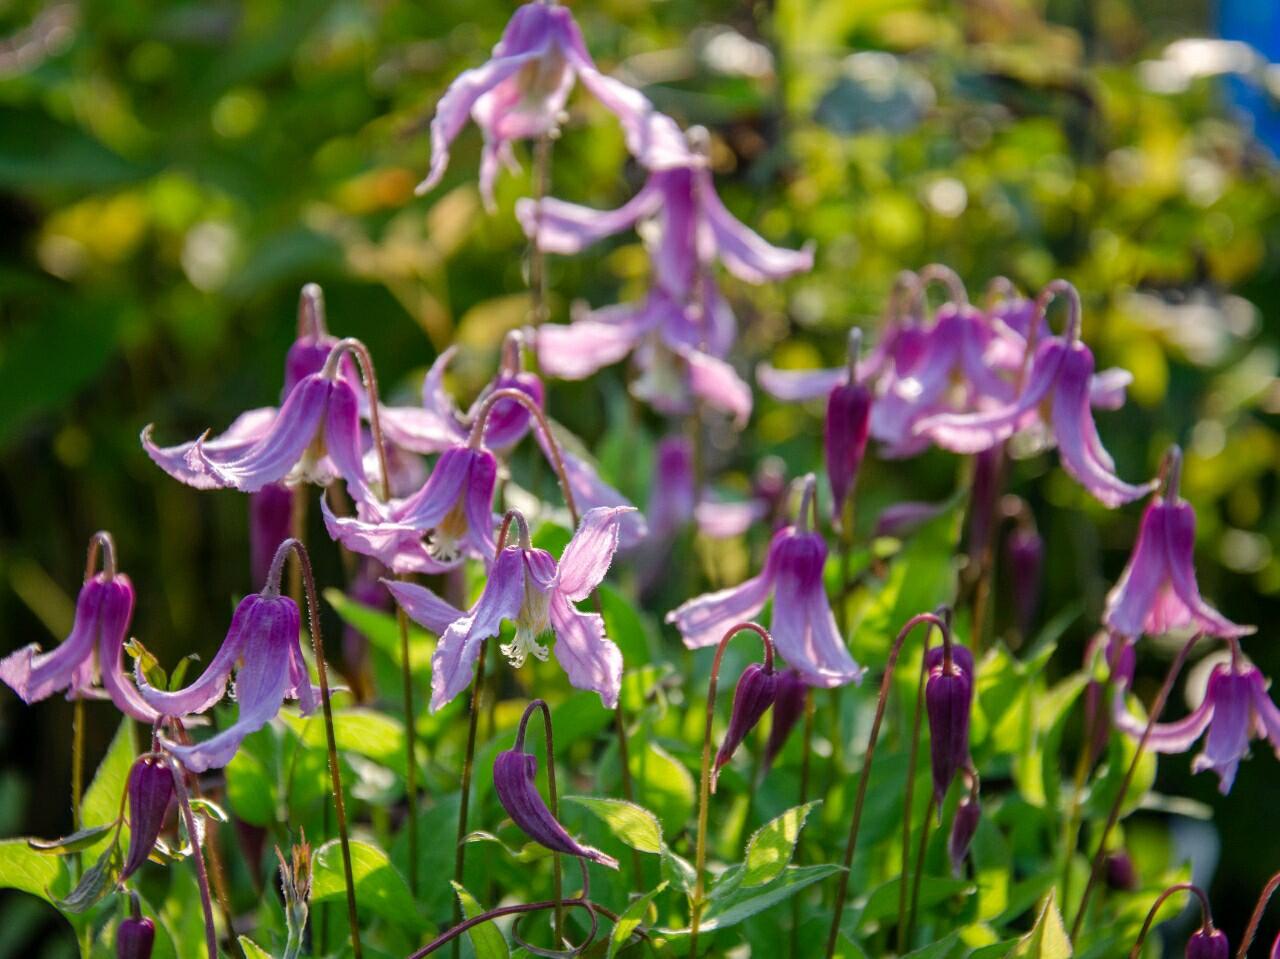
[[531, 622], [444, 542]]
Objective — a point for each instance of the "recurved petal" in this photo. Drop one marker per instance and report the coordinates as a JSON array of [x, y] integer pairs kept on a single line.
[[180, 463], [34, 675], [601, 338], [423, 606], [703, 619], [568, 228], [794, 386], [1175, 737], [744, 252], [589, 658], [1179, 543], [716, 382], [586, 558], [653, 138]]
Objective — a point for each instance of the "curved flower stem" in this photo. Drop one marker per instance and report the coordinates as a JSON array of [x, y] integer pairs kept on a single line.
[[1251, 930], [303, 560], [1113, 817], [998, 288], [919, 873], [904, 943], [102, 543], [468, 765], [842, 887], [1206, 919], [537, 258], [1054, 288], [552, 803], [941, 273], [704, 788], [202, 877], [361, 352]]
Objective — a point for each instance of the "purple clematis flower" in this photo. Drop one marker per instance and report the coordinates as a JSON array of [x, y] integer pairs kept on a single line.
[[804, 630], [963, 828], [150, 790], [948, 696], [94, 649], [270, 522], [752, 696], [264, 639], [1236, 708], [313, 437], [789, 703], [1057, 393], [1157, 592], [1208, 943], [521, 92], [528, 587], [846, 429]]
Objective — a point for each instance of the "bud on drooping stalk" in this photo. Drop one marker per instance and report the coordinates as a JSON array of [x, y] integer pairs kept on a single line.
[[1208, 943], [789, 701], [757, 687], [845, 432], [1120, 873], [963, 828], [1024, 550], [136, 935], [150, 789], [948, 698]]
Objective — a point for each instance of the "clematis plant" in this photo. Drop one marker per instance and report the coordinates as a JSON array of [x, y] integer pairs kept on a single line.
[[528, 587], [521, 92], [803, 627], [1157, 592], [92, 651], [1056, 393]]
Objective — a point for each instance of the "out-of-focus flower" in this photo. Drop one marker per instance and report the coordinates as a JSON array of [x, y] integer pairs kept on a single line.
[[1208, 943], [846, 429], [789, 703], [1236, 709], [803, 627], [1119, 871], [1024, 553], [752, 697], [520, 94], [94, 648], [264, 639], [721, 519], [1157, 592], [270, 523], [528, 587], [1121, 659], [948, 699], [903, 519], [1058, 393], [964, 826], [149, 788]]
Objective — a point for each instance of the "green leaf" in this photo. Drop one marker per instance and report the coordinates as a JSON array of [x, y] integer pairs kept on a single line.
[[380, 888], [631, 824], [252, 950], [663, 784], [486, 938], [944, 948], [73, 843], [624, 625], [101, 802], [736, 908], [364, 732], [26, 870], [1047, 939], [631, 919], [251, 779], [98, 880], [883, 901], [529, 852], [770, 848]]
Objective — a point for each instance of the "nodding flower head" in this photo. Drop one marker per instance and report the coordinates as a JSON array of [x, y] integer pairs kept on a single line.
[[264, 640], [963, 828], [150, 789], [515, 783], [527, 587], [94, 649], [1157, 592], [1025, 552], [789, 703], [752, 697], [948, 697], [136, 934], [1208, 943], [846, 429], [1119, 871], [1235, 709]]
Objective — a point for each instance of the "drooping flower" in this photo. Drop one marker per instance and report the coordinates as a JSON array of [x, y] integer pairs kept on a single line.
[[1056, 393], [1119, 871], [964, 826], [264, 639], [520, 94], [1208, 943], [846, 429], [1024, 550], [270, 523], [948, 698], [1235, 709], [528, 587], [752, 697], [515, 783], [789, 703], [93, 650], [150, 790], [1157, 592], [1120, 662], [803, 627], [136, 934], [313, 437]]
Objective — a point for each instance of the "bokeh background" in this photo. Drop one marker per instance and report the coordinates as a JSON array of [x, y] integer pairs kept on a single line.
[[171, 173]]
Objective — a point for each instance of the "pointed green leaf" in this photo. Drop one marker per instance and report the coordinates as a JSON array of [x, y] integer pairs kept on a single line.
[[631, 919], [73, 843], [26, 870], [631, 824], [1047, 939], [252, 950], [380, 888], [486, 938], [98, 880], [744, 905], [771, 847]]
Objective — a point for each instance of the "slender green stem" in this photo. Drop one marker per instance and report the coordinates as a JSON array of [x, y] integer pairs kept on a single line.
[[704, 787], [1113, 816], [851, 844], [468, 764], [552, 802], [410, 747], [912, 755], [919, 872]]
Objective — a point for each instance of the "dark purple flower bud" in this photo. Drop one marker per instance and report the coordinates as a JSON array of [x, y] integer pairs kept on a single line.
[[1120, 872], [845, 439], [948, 698], [514, 781], [757, 687], [1208, 943], [135, 938], [1121, 660], [270, 521], [150, 788], [789, 701], [963, 828], [986, 467], [902, 519], [1025, 552]]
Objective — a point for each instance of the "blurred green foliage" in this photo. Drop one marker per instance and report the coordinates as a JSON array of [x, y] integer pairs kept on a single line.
[[171, 173]]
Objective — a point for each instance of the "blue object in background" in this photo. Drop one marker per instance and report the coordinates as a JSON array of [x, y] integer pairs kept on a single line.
[[1257, 23]]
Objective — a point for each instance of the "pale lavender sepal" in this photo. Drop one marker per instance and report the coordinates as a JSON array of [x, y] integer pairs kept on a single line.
[[589, 658], [744, 252], [718, 384], [586, 559], [423, 606], [568, 228], [595, 340], [722, 520], [246, 430], [794, 386], [703, 620]]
